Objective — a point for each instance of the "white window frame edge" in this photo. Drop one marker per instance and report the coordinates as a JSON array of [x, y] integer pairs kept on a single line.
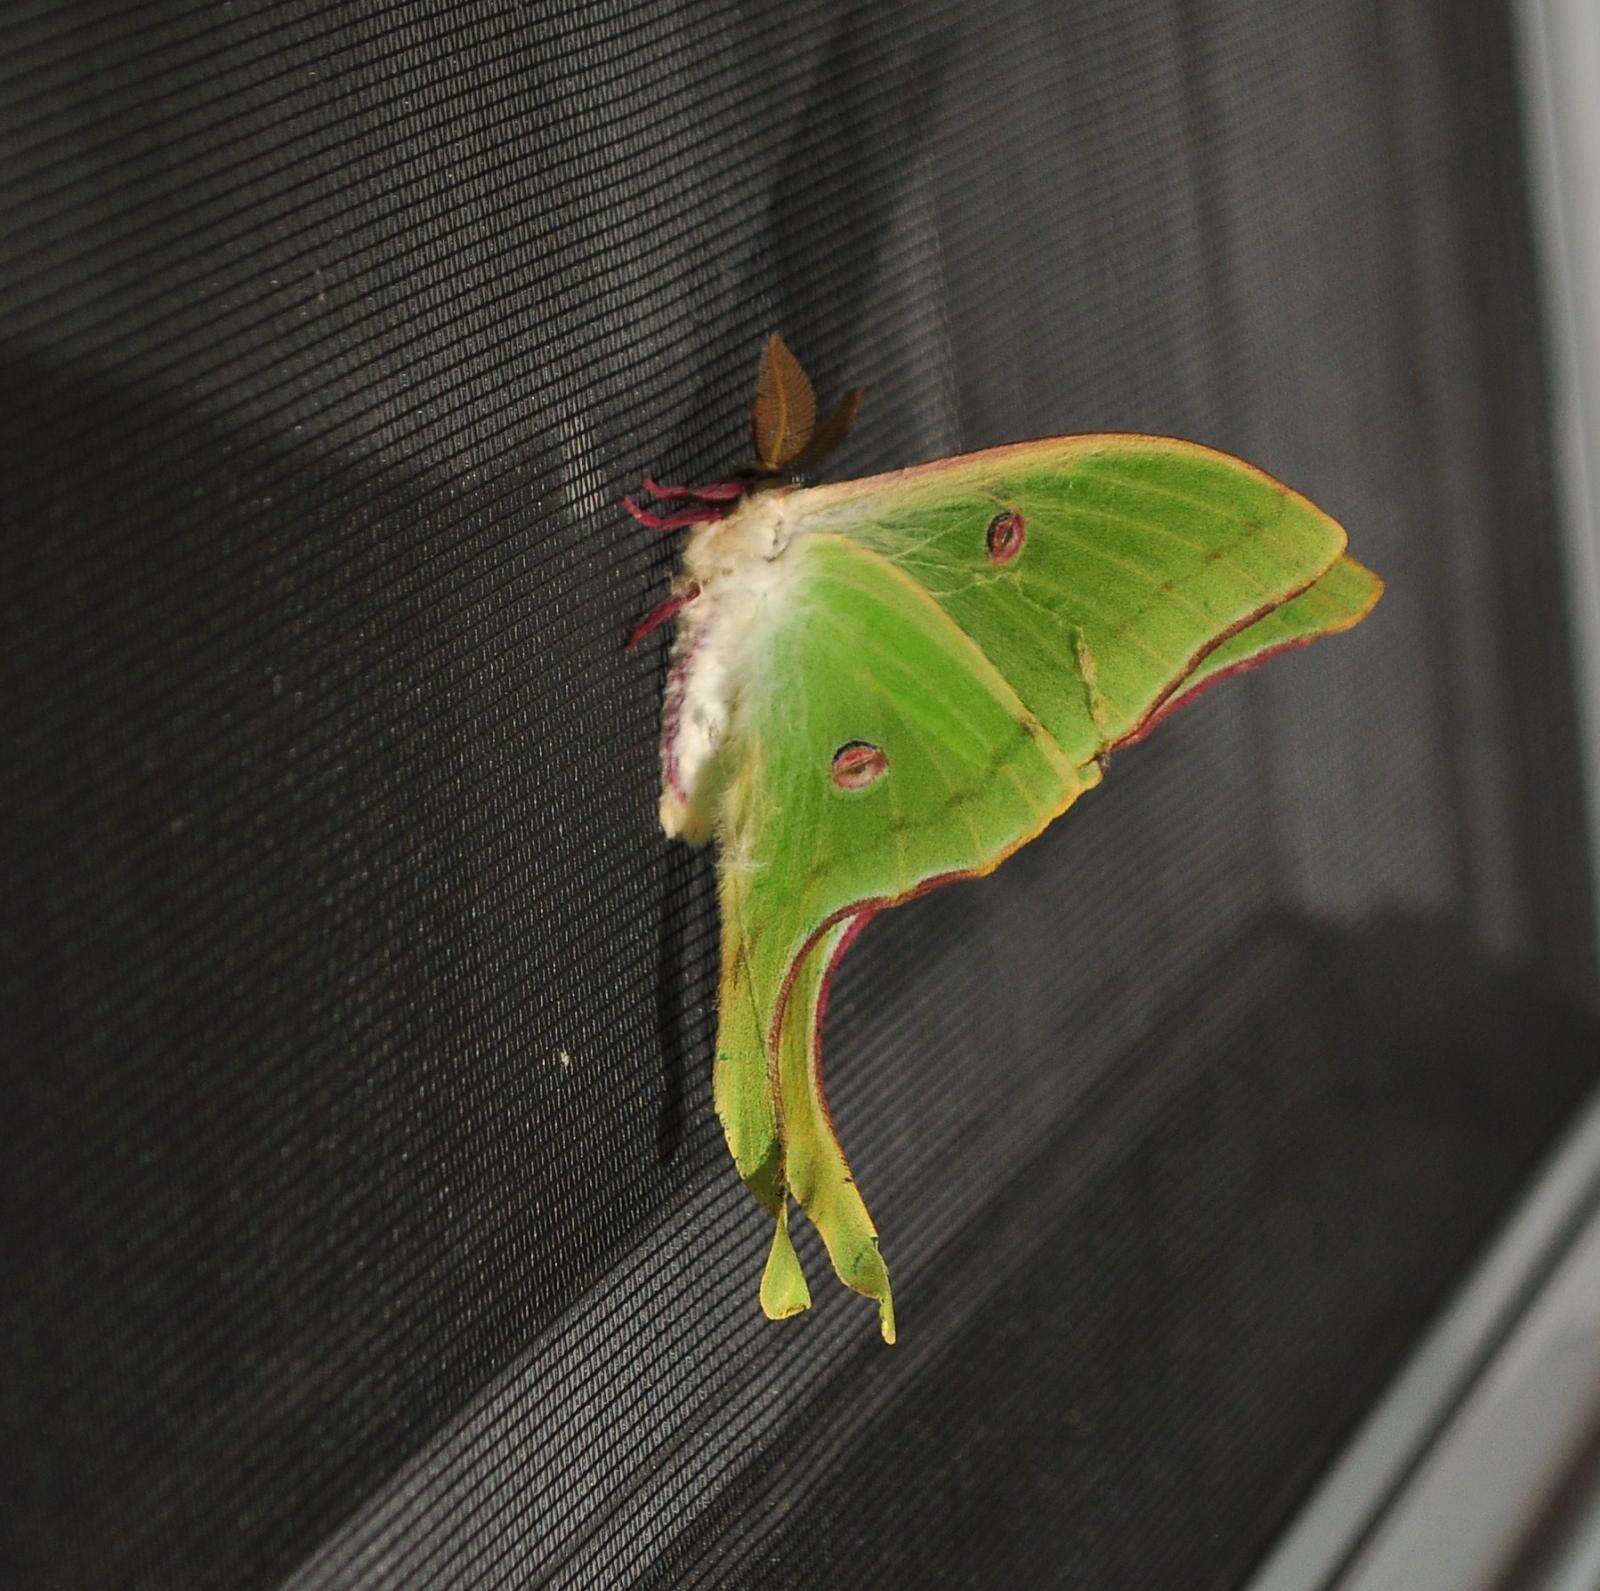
[[1384, 1470], [1559, 56]]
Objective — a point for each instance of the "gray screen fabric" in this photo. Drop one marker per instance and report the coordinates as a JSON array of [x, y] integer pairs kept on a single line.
[[365, 1218]]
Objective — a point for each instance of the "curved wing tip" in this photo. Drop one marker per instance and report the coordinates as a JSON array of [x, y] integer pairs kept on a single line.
[[784, 1311], [1373, 597], [783, 1284], [1378, 589], [875, 1285], [1379, 584]]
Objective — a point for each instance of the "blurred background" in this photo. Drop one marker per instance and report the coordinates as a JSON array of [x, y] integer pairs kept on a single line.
[[365, 1217]]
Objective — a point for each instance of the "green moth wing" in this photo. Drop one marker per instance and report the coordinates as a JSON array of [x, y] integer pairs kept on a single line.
[[873, 750], [1097, 572], [884, 685]]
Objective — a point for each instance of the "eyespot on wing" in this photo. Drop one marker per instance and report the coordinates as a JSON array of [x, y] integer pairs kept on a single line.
[[857, 764], [1005, 536]]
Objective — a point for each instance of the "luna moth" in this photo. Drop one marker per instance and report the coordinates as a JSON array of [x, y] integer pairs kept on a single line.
[[880, 686]]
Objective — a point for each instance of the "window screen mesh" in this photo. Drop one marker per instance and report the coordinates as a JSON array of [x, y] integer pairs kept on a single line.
[[365, 1217]]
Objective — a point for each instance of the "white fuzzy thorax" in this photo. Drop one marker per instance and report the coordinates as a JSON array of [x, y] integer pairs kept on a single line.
[[739, 565]]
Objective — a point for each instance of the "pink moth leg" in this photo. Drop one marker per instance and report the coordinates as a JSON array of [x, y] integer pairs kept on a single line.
[[700, 514], [663, 611], [718, 492]]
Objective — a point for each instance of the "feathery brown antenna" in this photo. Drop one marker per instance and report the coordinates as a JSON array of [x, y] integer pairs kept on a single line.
[[785, 409], [832, 431]]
